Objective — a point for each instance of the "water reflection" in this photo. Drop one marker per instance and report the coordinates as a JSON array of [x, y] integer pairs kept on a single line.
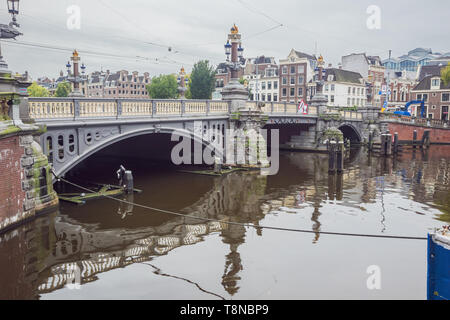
[[37, 257]]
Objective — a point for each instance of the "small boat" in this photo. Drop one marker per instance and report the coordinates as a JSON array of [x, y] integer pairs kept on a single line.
[[102, 191]]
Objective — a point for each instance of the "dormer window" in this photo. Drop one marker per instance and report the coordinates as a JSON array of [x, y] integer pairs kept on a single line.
[[435, 83]]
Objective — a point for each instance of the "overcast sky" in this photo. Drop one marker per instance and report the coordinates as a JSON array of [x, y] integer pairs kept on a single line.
[[114, 32]]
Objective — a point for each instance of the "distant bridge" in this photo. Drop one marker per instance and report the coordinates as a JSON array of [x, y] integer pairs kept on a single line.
[[79, 127]]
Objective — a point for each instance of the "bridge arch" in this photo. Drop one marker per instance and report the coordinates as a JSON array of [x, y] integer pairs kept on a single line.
[[91, 150], [351, 132]]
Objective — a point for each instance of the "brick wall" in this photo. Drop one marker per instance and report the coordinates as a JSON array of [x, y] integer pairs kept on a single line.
[[12, 196], [405, 132]]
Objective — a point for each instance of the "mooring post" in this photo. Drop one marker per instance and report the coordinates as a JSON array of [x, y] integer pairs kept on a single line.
[[332, 157], [414, 138], [340, 157], [383, 145], [426, 139], [217, 165], [389, 144], [396, 142]]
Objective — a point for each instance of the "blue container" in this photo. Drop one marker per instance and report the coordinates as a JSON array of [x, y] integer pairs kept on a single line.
[[438, 284]]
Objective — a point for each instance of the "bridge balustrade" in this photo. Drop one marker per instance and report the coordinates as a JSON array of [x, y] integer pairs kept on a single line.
[[137, 108], [51, 109], [63, 108], [98, 108]]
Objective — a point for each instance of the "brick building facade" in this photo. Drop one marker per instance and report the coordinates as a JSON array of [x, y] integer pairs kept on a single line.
[[436, 96], [294, 74], [118, 85]]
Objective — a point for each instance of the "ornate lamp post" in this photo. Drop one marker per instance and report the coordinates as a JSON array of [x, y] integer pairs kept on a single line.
[[234, 91], [320, 100], [75, 77], [320, 74], [182, 82]]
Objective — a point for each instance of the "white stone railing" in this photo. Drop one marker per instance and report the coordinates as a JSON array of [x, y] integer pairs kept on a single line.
[[66, 108], [43, 109]]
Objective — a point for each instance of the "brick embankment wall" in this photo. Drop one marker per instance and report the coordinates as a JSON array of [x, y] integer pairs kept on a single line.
[[405, 132], [25, 180]]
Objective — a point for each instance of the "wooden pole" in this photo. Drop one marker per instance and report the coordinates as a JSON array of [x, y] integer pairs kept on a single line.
[[332, 157]]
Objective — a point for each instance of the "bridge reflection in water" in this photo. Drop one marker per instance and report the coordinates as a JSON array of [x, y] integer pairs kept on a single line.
[[40, 255]]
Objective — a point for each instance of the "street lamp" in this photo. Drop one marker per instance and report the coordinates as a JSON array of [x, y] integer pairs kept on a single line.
[[240, 51], [233, 48], [183, 82], [13, 9], [75, 77], [228, 47]]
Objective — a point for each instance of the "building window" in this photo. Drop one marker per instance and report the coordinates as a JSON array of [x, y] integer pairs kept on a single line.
[[263, 97], [275, 97], [349, 90], [269, 97], [354, 90], [332, 99], [433, 107], [275, 84], [435, 82], [284, 79], [284, 70], [300, 92], [292, 92], [348, 102], [263, 85], [269, 85], [301, 80], [292, 81], [292, 69], [284, 92], [425, 97], [301, 69], [446, 97], [332, 87], [326, 88]]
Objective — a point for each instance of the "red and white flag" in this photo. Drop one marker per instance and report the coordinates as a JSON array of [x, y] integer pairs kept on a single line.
[[303, 107]]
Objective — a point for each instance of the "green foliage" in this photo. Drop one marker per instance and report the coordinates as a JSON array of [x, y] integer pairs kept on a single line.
[[163, 87], [36, 90], [445, 74], [63, 89], [202, 81]]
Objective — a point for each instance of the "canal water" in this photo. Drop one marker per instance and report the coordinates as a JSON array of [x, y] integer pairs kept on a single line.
[[118, 250]]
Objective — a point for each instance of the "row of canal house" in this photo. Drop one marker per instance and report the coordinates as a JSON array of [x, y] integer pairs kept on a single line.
[[357, 78]]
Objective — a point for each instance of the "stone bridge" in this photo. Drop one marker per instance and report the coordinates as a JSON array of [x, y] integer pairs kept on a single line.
[[77, 128]]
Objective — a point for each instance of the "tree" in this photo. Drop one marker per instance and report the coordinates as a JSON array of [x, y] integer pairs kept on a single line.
[[202, 81], [36, 90], [445, 74], [163, 87], [63, 89]]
